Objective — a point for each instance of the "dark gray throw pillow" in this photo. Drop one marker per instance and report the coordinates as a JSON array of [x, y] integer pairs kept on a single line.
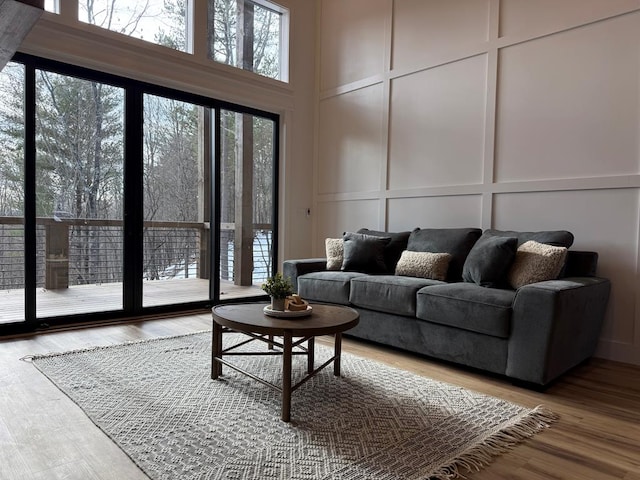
[[364, 253], [489, 260], [394, 249]]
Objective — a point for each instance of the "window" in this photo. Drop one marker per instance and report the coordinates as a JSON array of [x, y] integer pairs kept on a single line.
[[52, 6], [163, 22], [250, 34]]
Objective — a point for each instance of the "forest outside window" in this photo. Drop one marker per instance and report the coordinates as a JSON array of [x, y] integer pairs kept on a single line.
[[250, 34], [163, 22]]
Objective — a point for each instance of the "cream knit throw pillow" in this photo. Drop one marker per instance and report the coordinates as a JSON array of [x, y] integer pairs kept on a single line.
[[423, 265], [335, 252], [536, 262]]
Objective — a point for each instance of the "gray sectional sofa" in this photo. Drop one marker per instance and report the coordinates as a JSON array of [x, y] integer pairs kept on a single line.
[[473, 316]]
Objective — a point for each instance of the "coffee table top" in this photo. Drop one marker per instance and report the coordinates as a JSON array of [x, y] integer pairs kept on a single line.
[[249, 317]]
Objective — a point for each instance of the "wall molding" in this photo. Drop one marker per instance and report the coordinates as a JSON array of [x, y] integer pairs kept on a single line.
[[497, 202]]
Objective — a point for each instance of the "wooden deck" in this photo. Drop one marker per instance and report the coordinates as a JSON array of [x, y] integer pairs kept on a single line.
[[108, 297]]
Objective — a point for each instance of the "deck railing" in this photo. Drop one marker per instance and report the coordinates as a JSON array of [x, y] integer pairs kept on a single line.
[[89, 251]]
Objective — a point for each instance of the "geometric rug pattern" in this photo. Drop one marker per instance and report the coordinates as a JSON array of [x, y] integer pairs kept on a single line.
[[155, 399]]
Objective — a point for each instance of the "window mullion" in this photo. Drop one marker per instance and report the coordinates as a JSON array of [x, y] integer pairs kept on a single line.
[[68, 9], [30, 241]]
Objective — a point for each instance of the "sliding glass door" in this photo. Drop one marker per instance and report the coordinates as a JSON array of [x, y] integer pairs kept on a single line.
[[79, 191], [176, 194], [12, 135], [246, 201], [119, 198]]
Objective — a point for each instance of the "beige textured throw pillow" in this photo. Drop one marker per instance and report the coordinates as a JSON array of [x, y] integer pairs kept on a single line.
[[423, 265], [536, 262], [335, 252]]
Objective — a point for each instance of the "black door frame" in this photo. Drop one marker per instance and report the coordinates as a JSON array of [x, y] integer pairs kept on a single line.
[[133, 195]]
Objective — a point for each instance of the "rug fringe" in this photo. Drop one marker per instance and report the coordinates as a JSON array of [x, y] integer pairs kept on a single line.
[[497, 443], [32, 358]]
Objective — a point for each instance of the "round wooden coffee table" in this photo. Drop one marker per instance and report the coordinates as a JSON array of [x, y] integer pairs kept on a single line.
[[249, 319]]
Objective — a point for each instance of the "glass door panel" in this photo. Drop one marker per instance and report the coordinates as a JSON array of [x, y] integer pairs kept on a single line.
[[176, 195], [246, 203], [79, 195], [12, 273]]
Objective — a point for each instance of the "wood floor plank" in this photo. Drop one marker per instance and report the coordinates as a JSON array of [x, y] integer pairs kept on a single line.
[[44, 435]]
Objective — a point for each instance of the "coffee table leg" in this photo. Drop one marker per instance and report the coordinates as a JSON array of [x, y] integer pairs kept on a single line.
[[286, 378], [216, 351], [337, 354], [311, 343]]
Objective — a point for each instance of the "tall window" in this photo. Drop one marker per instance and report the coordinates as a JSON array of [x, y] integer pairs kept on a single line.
[[251, 35], [164, 22]]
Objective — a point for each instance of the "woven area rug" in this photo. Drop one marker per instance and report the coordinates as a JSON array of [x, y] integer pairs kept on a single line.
[[156, 400]]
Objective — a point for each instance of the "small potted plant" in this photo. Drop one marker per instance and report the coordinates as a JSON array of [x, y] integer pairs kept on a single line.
[[278, 288]]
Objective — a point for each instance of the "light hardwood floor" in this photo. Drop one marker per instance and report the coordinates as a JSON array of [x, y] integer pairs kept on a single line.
[[43, 435]]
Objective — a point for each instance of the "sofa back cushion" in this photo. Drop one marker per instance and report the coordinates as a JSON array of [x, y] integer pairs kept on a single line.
[[394, 248], [455, 241], [557, 238], [581, 264]]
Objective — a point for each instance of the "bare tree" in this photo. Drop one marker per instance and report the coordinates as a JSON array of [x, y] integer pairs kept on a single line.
[[227, 32], [116, 15]]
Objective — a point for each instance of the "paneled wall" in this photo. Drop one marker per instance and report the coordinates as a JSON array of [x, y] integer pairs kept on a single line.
[[511, 114]]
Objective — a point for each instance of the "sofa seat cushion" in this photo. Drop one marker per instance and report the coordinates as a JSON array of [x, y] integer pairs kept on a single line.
[[467, 306], [388, 293], [327, 286]]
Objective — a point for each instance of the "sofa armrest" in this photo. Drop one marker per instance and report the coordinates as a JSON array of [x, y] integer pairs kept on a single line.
[[294, 268], [555, 326]]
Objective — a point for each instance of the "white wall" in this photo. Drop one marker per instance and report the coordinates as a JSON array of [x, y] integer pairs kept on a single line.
[[512, 114]]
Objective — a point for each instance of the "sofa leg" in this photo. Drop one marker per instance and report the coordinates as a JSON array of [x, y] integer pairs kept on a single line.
[[536, 387]]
